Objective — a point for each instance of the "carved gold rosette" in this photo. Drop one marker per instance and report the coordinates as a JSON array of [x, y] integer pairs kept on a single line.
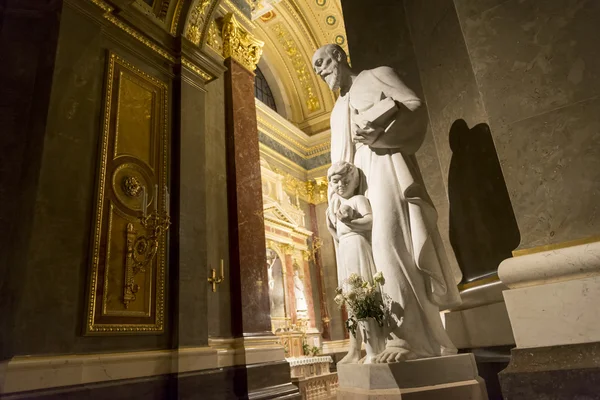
[[239, 44]]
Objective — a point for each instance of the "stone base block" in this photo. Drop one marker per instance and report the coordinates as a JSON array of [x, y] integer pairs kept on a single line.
[[556, 372], [448, 378]]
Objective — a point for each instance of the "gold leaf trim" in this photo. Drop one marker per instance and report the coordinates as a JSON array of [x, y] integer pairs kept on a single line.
[[556, 246], [193, 67], [240, 44], [129, 30], [176, 17]]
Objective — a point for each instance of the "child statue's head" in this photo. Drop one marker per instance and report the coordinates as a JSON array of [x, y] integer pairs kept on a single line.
[[343, 179]]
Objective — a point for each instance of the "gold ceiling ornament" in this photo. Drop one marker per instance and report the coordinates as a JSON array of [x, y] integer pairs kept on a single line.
[[196, 21], [313, 191], [303, 72], [213, 39], [176, 16], [240, 44]]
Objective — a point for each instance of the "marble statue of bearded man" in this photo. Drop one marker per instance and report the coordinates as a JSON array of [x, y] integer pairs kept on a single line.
[[407, 246]]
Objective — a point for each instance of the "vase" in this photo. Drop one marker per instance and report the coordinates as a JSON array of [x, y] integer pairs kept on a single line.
[[372, 336]]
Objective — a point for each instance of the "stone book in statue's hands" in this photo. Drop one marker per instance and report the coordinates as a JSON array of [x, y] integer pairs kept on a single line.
[[379, 115]]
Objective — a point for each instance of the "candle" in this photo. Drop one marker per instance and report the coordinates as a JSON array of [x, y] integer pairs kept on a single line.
[[144, 200], [222, 272], [155, 197]]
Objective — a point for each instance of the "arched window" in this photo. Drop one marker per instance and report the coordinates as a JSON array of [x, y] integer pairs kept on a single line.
[[262, 91]]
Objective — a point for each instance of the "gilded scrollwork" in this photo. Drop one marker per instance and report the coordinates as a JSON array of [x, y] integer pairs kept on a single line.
[[240, 44], [303, 71], [213, 40], [312, 191], [141, 251], [196, 21]]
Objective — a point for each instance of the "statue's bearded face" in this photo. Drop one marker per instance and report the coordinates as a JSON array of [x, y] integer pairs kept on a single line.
[[328, 68]]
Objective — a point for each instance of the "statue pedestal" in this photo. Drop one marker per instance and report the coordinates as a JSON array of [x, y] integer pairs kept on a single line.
[[448, 378]]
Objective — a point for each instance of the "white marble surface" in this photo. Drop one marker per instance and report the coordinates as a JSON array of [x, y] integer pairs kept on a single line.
[[554, 314], [574, 262], [481, 295], [483, 326], [448, 378], [408, 374]]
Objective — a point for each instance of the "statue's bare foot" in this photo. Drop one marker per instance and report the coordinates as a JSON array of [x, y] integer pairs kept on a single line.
[[352, 357], [394, 354]]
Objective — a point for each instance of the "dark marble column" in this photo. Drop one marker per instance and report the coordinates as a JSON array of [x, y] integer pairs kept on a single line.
[[28, 40], [290, 294], [188, 276], [320, 280], [310, 304], [249, 282]]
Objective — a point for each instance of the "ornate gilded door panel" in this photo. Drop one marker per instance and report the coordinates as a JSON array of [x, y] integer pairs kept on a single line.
[[127, 276]]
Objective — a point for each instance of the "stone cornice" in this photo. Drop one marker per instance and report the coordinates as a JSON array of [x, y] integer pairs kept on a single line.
[[288, 135]]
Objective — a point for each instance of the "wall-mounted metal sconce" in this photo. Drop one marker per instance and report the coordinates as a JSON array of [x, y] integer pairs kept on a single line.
[[213, 280], [141, 248]]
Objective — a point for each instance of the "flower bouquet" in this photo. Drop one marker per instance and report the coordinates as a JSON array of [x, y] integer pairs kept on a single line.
[[366, 309]]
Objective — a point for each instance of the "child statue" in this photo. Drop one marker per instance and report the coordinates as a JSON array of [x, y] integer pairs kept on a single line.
[[349, 219]]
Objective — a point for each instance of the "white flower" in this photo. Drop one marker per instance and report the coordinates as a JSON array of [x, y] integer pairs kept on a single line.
[[338, 290], [355, 280], [378, 278], [339, 299]]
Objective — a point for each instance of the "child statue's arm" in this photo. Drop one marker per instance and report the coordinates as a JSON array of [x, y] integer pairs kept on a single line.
[[363, 224], [363, 208]]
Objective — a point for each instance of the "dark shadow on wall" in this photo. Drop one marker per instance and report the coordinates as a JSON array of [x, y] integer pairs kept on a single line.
[[483, 227]]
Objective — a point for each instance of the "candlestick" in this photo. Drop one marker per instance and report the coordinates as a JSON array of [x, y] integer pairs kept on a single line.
[[144, 201], [155, 197], [168, 199]]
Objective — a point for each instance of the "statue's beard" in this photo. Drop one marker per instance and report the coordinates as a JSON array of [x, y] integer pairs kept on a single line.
[[334, 79]]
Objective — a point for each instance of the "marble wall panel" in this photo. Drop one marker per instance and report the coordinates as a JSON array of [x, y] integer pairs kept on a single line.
[[190, 281], [552, 165], [219, 303], [532, 57], [479, 223], [536, 64], [448, 81]]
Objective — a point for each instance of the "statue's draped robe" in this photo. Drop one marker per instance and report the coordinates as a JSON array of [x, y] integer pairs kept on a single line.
[[407, 246]]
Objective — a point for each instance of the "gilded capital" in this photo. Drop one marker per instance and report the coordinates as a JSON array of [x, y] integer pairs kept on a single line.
[[239, 44]]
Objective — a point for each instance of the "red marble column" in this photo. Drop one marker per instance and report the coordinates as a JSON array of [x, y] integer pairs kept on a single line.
[[290, 294], [249, 281], [308, 292], [320, 279]]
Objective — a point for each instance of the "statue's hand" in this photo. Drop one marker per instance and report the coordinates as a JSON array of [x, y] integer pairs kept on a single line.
[[366, 135]]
